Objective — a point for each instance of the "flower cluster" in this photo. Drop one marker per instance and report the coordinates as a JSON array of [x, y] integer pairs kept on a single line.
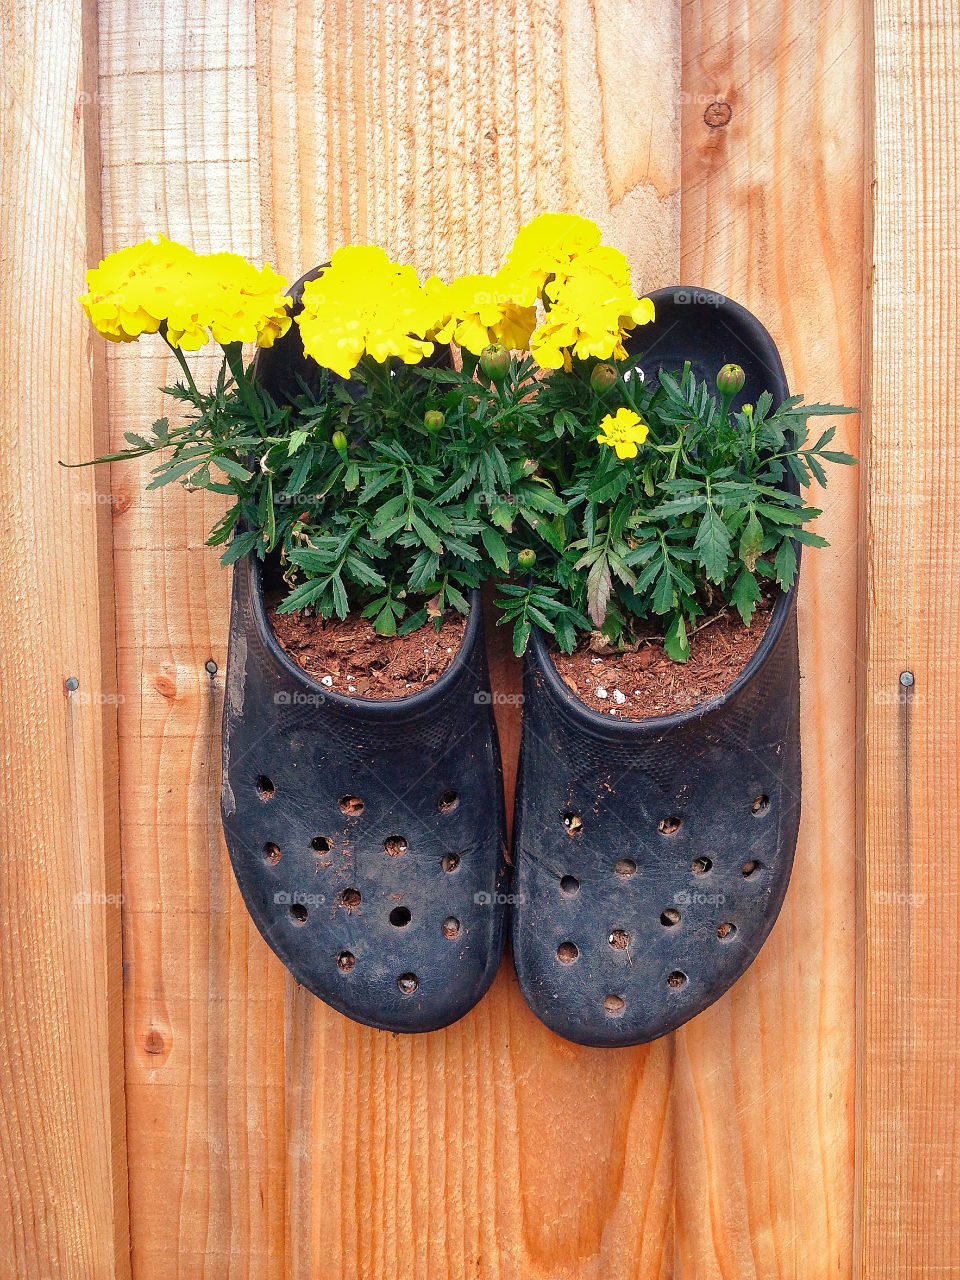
[[364, 304], [542, 453], [159, 285]]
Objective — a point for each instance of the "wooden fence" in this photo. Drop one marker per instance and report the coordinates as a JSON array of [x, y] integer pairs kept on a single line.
[[172, 1104]]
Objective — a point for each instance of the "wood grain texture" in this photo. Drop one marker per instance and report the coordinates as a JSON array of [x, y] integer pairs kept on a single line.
[[267, 1134], [490, 1149], [204, 999], [62, 1151], [772, 200], [909, 1060]]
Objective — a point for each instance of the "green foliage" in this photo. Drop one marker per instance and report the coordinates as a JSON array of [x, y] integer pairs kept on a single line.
[[395, 493], [706, 512]]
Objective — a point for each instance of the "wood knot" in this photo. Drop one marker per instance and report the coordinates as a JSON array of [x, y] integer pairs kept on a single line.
[[717, 114], [165, 683], [154, 1041]]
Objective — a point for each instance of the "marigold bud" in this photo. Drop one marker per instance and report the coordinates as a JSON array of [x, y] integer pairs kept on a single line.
[[339, 441], [433, 419], [495, 362], [527, 558], [603, 377], [730, 380]]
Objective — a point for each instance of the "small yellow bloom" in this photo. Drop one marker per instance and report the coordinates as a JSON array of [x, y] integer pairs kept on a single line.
[[364, 304], [623, 431], [477, 311]]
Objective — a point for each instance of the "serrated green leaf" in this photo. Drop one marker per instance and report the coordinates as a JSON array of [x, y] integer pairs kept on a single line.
[[785, 565], [751, 540], [676, 645], [496, 548], [745, 595], [712, 543], [521, 634]]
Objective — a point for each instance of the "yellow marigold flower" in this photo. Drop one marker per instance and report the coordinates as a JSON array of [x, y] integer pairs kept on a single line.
[[159, 282], [237, 302], [545, 247], [364, 304], [476, 311], [623, 431], [130, 292], [589, 315]]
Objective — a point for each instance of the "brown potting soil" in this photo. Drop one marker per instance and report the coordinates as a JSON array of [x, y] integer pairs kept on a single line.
[[350, 658], [635, 685]]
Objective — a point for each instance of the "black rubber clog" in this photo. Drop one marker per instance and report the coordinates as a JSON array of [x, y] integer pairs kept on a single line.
[[652, 856], [367, 837]]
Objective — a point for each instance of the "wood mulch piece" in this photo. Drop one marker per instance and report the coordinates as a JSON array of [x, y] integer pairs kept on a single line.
[[350, 658], [633, 686]]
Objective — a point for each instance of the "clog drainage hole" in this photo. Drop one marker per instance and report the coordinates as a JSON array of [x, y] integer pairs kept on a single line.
[[400, 917], [569, 886], [619, 939], [613, 1005], [567, 952], [350, 898], [700, 866], [669, 826], [726, 931], [676, 980], [394, 846], [451, 927], [450, 862], [271, 853], [265, 787], [320, 844], [573, 822], [624, 868], [408, 983], [759, 804], [298, 913], [448, 802], [346, 960], [670, 917], [352, 806], [750, 869]]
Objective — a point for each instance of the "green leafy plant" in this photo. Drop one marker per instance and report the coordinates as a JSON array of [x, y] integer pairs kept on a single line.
[[685, 507], [388, 484]]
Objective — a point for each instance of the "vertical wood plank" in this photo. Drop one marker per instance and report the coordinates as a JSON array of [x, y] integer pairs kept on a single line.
[[773, 124], [62, 1150], [909, 1059], [490, 1149], [204, 1006]]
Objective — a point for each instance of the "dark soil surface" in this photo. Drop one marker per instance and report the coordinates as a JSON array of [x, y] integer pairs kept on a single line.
[[645, 683], [350, 658]]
